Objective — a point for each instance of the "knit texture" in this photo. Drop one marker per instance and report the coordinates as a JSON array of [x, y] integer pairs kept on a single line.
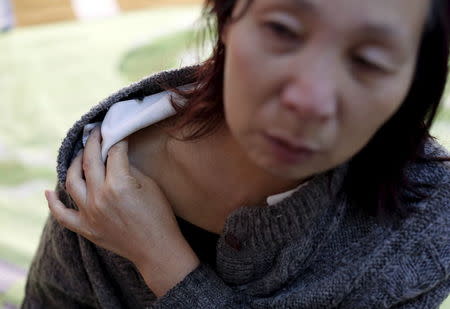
[[313, 249]]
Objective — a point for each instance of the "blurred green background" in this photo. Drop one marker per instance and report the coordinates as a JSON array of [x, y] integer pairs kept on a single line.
[[49, 77]]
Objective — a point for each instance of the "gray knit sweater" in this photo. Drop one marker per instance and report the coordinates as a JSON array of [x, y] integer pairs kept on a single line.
[[311, 250]]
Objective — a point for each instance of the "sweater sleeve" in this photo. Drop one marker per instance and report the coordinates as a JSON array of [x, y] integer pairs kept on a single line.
[[202, 288], [57, 278], [431, 299], [413, 269]]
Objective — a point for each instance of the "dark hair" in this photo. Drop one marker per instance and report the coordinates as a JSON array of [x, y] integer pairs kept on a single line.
[[376, 175]]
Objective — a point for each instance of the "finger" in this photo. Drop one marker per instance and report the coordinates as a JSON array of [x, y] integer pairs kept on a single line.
[[75, 184], [140, 176], [118, 163], [93, 167], [68, 218], [135, 172]]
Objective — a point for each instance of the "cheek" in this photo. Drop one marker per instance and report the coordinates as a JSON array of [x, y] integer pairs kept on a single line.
[[243, 82], [367, 113], [248, 67]]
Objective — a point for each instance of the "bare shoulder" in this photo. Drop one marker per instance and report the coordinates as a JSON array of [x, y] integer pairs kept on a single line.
[[146, 147]]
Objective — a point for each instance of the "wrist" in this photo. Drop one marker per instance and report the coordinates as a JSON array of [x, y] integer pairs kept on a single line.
[[164, 270]]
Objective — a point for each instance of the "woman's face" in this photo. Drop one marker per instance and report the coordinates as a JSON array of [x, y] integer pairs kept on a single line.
[[309, 82]]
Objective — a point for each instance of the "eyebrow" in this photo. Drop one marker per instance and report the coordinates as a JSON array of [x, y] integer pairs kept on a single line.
[[306, 5], [375, 30], [382, 31]]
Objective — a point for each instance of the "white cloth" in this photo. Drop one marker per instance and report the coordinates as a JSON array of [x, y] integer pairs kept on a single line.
[[126, 117]]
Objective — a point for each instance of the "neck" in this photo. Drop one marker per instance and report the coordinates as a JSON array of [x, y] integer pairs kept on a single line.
[[221, 175], [251, 182]]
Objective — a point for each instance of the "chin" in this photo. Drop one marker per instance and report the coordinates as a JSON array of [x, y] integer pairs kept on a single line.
[[281, 170]]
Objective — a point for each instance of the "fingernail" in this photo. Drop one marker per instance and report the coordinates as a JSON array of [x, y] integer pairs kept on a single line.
[[46, 194]]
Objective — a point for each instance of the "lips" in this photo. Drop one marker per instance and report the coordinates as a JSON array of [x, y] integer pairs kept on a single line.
[[289, 151], [294, 145]]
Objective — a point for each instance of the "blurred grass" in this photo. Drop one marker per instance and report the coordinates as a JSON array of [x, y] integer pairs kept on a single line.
[[446, 304], [173, 50], [14, 295], [49, 77], [21, 218], [15, 173], [444, 115], [155, 56]]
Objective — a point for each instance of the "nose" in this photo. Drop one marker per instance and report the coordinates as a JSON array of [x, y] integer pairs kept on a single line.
[[311, 90]]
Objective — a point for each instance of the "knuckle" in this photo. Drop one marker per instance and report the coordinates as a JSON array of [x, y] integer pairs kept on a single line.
[[133, 182], [115, 188], [91, 234], [92, 228], [87, 164], [152, 182], [61, 219], [70, 170], [70, 186], [114, 149]]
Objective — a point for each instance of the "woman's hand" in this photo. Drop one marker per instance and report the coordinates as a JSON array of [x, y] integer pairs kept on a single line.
[[124, 211]]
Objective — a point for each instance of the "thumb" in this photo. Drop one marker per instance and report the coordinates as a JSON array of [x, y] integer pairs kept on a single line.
[[117, 162], [140, 176], [135, 172]]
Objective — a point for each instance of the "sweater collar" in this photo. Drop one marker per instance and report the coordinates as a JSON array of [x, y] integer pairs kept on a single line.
[[253, 236], [292, 216]]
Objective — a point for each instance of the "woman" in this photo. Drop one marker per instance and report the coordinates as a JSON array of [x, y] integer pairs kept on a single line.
[[330, 104]]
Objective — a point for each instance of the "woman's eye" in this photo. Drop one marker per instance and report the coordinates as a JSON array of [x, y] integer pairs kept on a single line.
[[368, 65], [280, 30]]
